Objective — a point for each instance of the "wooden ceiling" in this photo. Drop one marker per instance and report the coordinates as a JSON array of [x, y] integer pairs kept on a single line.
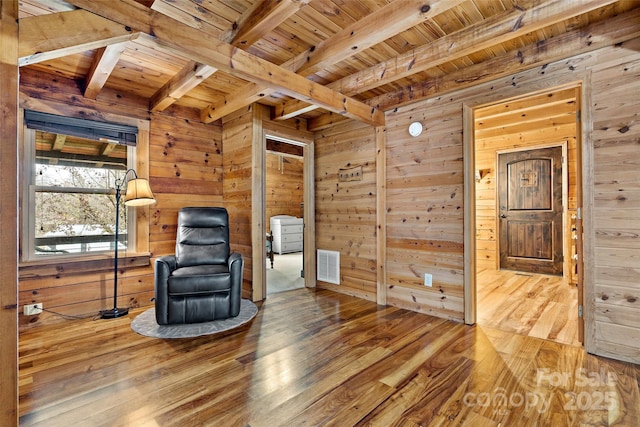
[[54, 148], [321, 60]]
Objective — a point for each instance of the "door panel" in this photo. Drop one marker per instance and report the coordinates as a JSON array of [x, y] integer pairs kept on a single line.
[[530, 210]]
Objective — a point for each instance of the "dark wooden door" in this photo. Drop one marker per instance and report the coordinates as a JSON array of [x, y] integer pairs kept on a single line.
[[530, 210]]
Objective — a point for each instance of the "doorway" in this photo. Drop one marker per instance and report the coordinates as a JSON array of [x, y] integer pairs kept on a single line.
[[526, 280], [288, 216], [284, 205]]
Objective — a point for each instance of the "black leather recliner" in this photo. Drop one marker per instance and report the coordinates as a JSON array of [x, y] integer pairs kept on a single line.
[[203, 280]]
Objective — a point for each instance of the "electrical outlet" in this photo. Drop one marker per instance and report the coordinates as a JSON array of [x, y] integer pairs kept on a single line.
[[428, 279], [31, 309]]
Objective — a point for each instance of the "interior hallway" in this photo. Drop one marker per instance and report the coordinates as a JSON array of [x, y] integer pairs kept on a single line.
[[535, 305]]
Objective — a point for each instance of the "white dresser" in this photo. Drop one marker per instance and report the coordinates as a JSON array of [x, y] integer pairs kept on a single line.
[[287, 233]]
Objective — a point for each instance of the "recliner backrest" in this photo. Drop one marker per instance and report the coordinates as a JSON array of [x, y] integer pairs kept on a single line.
[[203, 236]]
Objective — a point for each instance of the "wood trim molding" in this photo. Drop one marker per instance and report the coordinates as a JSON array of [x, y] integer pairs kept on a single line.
[[258, 175], [52, 268], [381, 214], [468, 157], [309, 213], [588, 227], [9, 207]]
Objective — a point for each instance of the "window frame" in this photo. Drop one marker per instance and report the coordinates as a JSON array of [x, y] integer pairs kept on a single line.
[[137, 218]]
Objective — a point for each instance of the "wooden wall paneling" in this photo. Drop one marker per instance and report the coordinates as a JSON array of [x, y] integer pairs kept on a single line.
[[285, 186], [9, 208], [237, 134], [346, 217], [66, 98], [596, 122], [76, 295], [186, 156], [186, 170], [424, 209], [190, 151], [405, 173], [616, 203]]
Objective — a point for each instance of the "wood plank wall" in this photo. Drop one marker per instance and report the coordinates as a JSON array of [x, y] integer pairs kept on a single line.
[[539, 120], [346, 211], [424, 190], [284, 186], [9, 207], [185, 160], [425, 209], [424, 194], [238, 135], [615, 96]]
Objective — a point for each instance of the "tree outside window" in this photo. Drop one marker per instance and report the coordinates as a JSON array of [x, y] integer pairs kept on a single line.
[[73, 198]]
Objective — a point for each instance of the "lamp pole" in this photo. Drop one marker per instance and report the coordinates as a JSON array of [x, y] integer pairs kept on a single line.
[[115, 311], [138, 194]]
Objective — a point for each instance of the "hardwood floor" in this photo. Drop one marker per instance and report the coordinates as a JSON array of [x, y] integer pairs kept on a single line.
[[536, 305], [318, 358]]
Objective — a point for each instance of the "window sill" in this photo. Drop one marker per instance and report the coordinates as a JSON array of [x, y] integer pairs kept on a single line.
[[63, 266]]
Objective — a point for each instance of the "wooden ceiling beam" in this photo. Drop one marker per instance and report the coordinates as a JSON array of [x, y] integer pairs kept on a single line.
[[190, 13], [384, 23], [374, 28], [201, 47], [107, 149], [252, 25], [616, 30], [500, 28], [59, 142], [55, 35], [188, 78], [261, 19], [246, 95], [191, 75], [104, 62]]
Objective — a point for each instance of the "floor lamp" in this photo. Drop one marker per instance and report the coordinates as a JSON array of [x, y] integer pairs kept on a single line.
[[138, 194]]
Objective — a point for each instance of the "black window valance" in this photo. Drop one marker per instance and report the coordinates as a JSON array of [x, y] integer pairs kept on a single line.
[[90, 129]]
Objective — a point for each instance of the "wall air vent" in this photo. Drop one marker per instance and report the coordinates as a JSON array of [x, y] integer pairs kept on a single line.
[[328, 267]]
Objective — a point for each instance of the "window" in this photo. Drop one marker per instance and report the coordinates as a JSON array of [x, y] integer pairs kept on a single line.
[[71, 166]]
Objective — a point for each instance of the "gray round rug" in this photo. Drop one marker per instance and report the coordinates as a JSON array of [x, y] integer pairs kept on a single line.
[[145, 324]]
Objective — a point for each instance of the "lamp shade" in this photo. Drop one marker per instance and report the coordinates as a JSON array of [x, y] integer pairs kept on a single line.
[[138, 193]]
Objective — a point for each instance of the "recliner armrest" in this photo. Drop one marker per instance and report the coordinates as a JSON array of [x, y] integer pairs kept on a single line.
[[164, 265], [169, 260], [236, 266], [234, 257]]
